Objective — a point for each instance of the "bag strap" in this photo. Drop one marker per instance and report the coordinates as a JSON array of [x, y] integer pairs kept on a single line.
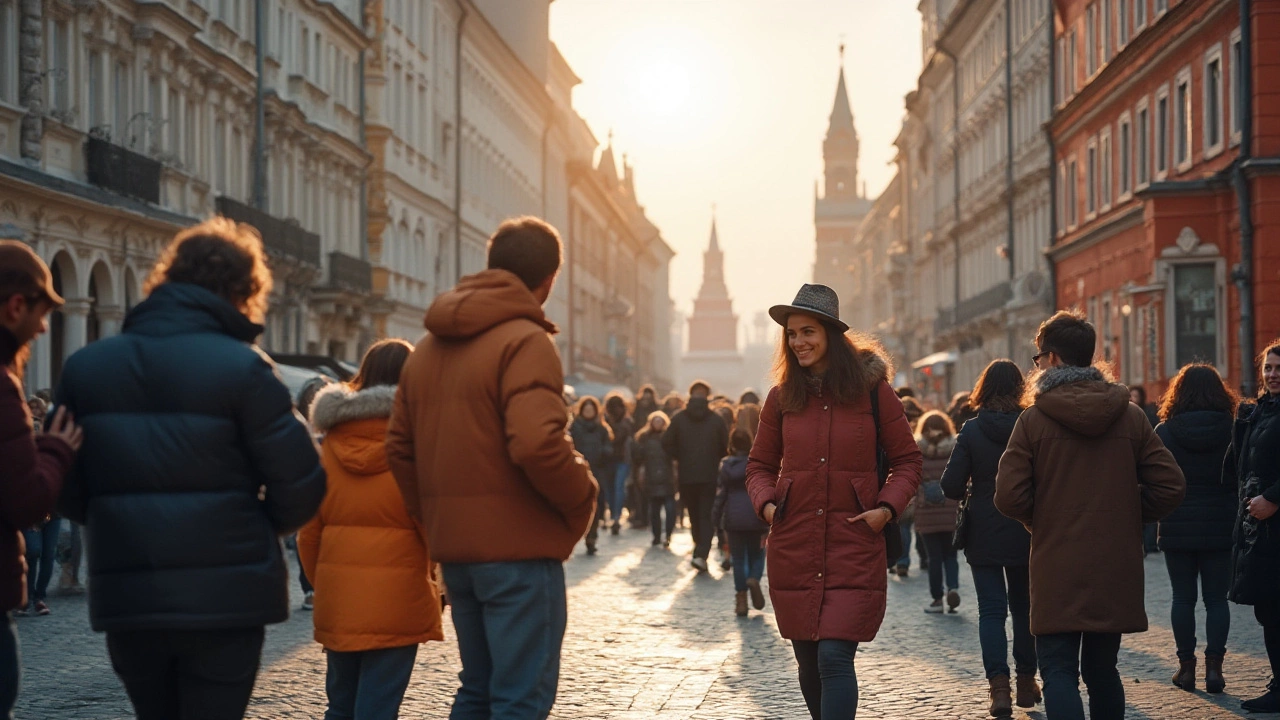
[[882, 460]]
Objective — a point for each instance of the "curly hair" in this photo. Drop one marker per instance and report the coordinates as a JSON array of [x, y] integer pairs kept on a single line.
[[223, 257], [1197, 386]]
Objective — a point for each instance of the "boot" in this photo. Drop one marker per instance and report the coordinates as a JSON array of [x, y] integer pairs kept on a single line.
[[1213, 680], [1001, 702], [1185, 678], [740, 604], [757, 595], [1028, 690], [1269, 702]]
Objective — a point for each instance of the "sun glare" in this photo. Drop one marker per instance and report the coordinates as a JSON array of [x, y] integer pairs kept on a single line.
[[660, 84]]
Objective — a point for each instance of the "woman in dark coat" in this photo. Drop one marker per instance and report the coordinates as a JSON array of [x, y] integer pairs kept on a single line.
[[622, 427], [1253, 465], [812, 476], [1196, 538], [657, 476], [594, 440], [733, 512], [996, 547]]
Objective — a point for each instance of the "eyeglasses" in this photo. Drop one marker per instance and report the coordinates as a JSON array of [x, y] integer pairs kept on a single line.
[[1036, 358]]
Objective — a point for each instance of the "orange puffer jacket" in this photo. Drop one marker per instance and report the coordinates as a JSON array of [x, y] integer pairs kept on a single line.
[[362, 552]]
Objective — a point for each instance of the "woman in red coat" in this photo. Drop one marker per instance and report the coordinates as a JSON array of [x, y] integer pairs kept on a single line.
[[812, 477]]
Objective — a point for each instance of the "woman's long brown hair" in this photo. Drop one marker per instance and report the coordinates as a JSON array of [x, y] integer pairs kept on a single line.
[[382, 364], [845, 380]]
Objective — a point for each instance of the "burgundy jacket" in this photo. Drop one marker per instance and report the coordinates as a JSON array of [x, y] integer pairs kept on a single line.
[[818, 466], [30, 478]]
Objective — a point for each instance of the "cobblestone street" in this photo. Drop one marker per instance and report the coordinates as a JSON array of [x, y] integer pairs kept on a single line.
[[648, 638]]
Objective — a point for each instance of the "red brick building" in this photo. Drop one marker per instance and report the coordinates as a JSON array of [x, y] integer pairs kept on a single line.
[[1154, 140]]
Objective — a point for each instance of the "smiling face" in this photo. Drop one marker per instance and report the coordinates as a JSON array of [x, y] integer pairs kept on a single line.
[[1271, 373], [807, 339]]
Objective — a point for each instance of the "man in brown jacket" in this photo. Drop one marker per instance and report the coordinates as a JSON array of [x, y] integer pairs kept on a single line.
[[477, 444], [1083, 471]]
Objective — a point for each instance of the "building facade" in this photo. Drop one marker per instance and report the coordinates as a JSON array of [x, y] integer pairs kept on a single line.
[[1162, 127], [121, 122]]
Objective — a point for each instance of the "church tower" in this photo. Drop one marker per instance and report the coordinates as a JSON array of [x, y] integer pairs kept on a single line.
[[713, 328], [841, 207]]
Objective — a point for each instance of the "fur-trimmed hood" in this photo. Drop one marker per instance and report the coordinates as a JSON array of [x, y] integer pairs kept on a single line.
[[931, 448], [355, 425], [874, 360], [1081, 398]]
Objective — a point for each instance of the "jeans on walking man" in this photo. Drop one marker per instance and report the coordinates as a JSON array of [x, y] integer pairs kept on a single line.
[[478, 446]]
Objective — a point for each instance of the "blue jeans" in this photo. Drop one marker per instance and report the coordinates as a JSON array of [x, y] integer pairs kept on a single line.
[[827, 677], [1067, 657], [942, 558], [1003, 591], [10, 666], [619, 495], [42, 551], [368, 685], [510, 618], [748, 557], [907, 534], [656, 506], [1213, 569]]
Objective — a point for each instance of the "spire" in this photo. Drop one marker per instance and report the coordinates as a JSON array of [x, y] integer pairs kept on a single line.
[[841, 113], [606, 166], [714, 247], [628, 177]]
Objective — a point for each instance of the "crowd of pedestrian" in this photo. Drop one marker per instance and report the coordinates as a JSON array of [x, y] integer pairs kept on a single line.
[[456, 472]]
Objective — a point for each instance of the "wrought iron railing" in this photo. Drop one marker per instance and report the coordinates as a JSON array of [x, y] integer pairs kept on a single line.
[[279, 237], [350, 273], [121, 170]]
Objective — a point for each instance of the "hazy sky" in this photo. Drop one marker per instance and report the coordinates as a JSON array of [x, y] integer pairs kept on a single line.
[[726, 102]]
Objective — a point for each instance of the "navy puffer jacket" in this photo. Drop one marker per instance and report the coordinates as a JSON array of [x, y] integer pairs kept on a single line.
[[1207, 516], [193, 464]]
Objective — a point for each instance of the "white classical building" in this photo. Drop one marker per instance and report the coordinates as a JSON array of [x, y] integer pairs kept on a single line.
[[121, 122]]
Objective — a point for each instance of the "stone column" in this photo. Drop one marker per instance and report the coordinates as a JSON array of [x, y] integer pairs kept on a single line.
[[75, 315], [110, 318], [31, 77]]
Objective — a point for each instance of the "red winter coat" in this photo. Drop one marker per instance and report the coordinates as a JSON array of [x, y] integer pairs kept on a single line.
[[30, 478], [818, 466]]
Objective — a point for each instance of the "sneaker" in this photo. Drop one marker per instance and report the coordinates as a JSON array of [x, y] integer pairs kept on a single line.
[[935, 607], [953, 600], [42, 608], [699, 564], [309, 601]]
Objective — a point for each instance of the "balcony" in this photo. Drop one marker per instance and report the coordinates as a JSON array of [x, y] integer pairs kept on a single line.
[[120, 170], [989, 300], [945, 320], [350, 273], [279, 237]]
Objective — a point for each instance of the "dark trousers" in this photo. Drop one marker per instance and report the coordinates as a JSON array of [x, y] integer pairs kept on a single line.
[[10, 666], [699, 499], [1213, 570], [187, 674], [302, 573], [827, 678], [1004, 591], [1065, 658], [748, 558], [942, 558], [368, 685], [656, 506], [637, 503], [1268, 616], [510, 618], [42, 552]]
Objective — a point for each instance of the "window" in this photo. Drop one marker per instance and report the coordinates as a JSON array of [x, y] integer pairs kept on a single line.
[[1108, 15], [174, 125], [120, 98], [1161, 133], [1091, 41], [1161, 7], [1071, 68], [1073, 198], [58, 79], [1124, 23], [95, 116], [1104, 168], [1182, 120], [305, 50], [1195, 313], [1213, 102], [1139, 15], [1142, 148], [8, 52], [1091, 179], [189, 121], [1108, 337], [1126, 156], [1237, 78], [155, 119]]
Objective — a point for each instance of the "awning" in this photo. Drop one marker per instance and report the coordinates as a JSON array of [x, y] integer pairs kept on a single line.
[[945, 356]]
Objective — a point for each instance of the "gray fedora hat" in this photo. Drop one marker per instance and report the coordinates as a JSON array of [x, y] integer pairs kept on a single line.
[[818, 300]]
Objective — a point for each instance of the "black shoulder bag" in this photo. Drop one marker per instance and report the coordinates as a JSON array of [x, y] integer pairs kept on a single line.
[[892, 533]]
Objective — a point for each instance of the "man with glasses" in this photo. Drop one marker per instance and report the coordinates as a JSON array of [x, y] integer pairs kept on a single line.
[[1083, 471]]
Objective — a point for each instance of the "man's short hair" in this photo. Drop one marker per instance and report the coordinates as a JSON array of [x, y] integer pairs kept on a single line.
[[223, 257], [1070, 336], [528, 247]]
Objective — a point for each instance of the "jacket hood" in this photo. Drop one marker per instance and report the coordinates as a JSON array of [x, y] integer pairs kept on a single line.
[[355, 425], [932, 448], [481, 302], [875, 362], [179, 308], [1081, 399], [997, 426], [1201, 430]]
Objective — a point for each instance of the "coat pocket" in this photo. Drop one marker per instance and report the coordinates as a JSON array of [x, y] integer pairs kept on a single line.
[[781, 493]]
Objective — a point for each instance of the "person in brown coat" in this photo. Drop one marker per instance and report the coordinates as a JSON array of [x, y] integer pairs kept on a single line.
[[1083, 471], [478, 447]]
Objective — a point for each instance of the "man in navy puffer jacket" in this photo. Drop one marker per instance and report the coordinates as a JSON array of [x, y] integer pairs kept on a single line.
[[193, 464]]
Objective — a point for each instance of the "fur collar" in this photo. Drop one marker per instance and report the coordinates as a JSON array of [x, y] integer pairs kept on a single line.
[[941, 448], [338, 404], [1056, 377]]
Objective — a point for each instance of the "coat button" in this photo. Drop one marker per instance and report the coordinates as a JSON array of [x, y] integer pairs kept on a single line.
[[824, 407], [819, 511], [819, 576], [822, 460]]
